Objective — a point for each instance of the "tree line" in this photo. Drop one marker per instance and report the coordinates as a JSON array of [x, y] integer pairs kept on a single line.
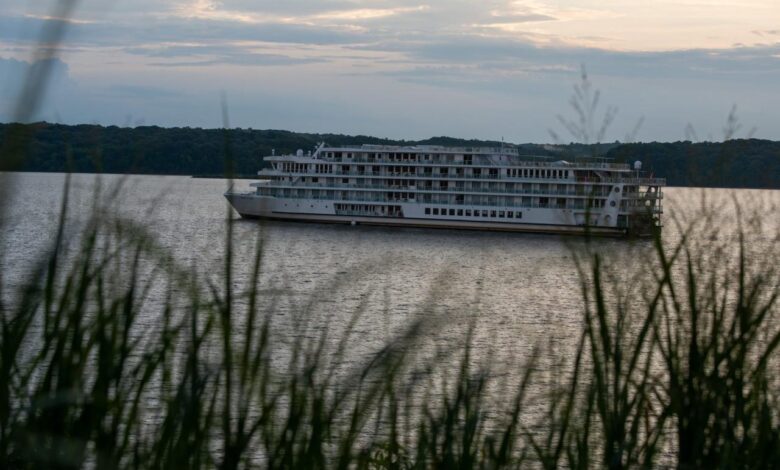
[[746, 163]]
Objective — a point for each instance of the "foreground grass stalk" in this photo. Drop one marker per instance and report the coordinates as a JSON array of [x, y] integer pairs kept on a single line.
[[680, 364]]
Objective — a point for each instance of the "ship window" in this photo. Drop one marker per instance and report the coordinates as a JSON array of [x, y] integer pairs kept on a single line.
[[468, 213], [435, 211], [460, 212], [345, 180], [492, 213], [510, 215], [519, 215], [484, 213], [315, 180], [427, 211], [452, 211], [501, 214]]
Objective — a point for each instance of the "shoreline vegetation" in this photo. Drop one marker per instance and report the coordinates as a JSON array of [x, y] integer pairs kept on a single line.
[[737, 163]]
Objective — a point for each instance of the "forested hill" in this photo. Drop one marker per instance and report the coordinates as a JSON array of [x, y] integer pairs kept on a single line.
[[200, 152]]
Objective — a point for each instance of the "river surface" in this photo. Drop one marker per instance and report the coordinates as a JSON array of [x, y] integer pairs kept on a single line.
[[518, 291]]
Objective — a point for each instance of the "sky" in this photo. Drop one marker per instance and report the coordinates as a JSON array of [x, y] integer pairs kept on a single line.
[[411, 69]]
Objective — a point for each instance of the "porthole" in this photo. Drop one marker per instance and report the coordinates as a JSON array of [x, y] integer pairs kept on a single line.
[[612, 203], [617, 189]]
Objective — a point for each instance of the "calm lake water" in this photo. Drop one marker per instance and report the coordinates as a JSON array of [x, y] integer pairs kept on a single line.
[[518, 290]]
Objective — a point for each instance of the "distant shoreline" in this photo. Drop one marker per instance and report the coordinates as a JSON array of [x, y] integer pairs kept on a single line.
[[200, 153]]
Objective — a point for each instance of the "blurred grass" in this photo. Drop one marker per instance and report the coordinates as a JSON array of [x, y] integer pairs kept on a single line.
[[675, 366]]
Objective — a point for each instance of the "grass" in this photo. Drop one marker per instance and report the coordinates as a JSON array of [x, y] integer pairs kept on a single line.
[[675, 365]]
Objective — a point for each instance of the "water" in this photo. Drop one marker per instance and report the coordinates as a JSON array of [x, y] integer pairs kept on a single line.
[[518, 290]]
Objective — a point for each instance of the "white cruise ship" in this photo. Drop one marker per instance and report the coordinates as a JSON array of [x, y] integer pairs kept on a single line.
[[455, 188]]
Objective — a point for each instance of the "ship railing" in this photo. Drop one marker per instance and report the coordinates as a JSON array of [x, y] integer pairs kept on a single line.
[[435, 176], [480, 162], [421, 189], [638, 181], [423, 149]]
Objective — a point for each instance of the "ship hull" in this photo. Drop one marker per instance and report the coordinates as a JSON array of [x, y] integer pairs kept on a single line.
[[542, 220]]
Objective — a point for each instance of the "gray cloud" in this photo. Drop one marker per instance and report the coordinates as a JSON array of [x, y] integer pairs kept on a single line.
[[14, 30], [424, 72], [206, 55], [13, 76]]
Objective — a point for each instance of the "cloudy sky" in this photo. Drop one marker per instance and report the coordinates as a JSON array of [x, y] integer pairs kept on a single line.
[[405, 68]]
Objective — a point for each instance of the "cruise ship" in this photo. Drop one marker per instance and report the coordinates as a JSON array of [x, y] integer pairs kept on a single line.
[[455, 188]]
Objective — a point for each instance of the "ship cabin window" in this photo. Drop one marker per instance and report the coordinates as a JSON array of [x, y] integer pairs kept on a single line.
[[315, 180], [427, 211], [501, 214], [460, 212], [435, 211], [477, 172], [452, 211], [492, 213], [468, 212], [519, 215], [484, 213], [510, 215]]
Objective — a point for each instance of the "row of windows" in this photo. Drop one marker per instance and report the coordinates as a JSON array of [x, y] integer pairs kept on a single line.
[[422, 183], [396, 156], [474, 213], [427, 171]]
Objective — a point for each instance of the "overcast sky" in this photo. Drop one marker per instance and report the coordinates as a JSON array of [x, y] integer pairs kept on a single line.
[[405, 68]]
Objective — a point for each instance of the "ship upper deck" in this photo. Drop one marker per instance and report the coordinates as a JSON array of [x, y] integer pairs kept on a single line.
[[438, 156]]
